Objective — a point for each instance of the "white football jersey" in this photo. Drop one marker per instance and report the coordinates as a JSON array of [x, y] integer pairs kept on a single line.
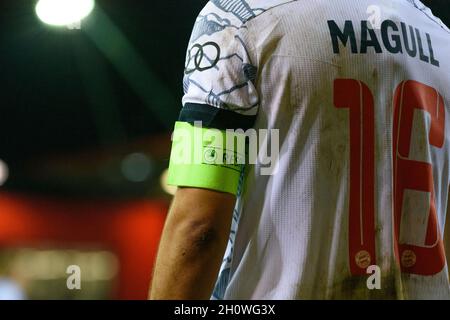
[[360, 92]]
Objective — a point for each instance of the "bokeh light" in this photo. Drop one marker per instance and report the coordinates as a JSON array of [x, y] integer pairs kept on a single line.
[[4, 172], [137, 167], [165, 186]]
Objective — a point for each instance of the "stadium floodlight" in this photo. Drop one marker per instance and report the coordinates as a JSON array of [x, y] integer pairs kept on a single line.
[[63, 12]]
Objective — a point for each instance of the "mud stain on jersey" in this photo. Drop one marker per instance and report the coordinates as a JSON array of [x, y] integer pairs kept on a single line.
[[356, 288]]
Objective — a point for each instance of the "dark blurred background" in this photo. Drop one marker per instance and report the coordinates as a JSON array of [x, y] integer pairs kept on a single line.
[[85, 122], [75, 101], [111, 89]]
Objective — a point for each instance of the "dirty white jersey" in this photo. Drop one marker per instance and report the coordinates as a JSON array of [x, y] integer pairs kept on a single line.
[[359, 91]]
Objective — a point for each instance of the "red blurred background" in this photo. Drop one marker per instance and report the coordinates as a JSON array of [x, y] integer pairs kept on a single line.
[[129, 229]]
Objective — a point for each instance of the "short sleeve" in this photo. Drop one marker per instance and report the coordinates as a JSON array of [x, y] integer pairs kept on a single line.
[[220, 72]]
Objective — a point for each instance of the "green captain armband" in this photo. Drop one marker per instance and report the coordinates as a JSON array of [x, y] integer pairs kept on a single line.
[[206, 158]]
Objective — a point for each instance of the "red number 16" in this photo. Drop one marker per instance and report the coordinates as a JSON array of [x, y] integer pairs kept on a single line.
[[409, 174]]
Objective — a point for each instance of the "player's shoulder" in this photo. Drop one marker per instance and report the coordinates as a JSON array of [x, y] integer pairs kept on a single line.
[[220, 17], [239, 12], [428, 14]]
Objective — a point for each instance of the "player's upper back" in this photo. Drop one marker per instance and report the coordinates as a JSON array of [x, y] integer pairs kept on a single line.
[[352, 37], [300, 49]]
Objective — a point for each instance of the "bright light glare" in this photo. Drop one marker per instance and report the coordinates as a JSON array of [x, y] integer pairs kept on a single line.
[[4, 172], [167, 188], [63, 12]]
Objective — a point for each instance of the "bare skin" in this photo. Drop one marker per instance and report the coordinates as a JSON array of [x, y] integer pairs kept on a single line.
[[192, 245]]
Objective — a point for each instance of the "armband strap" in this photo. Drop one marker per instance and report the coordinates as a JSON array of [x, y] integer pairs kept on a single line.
[[206, 158]]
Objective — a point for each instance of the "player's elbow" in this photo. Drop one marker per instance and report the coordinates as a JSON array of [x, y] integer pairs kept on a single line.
[[200, 220], [200, 235]]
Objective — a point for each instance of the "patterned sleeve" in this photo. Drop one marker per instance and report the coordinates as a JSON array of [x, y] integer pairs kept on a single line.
[[221, 70]]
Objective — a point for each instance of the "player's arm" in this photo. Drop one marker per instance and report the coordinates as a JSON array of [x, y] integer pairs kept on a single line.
[[206, 163], [198, 225], [192, 244]]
